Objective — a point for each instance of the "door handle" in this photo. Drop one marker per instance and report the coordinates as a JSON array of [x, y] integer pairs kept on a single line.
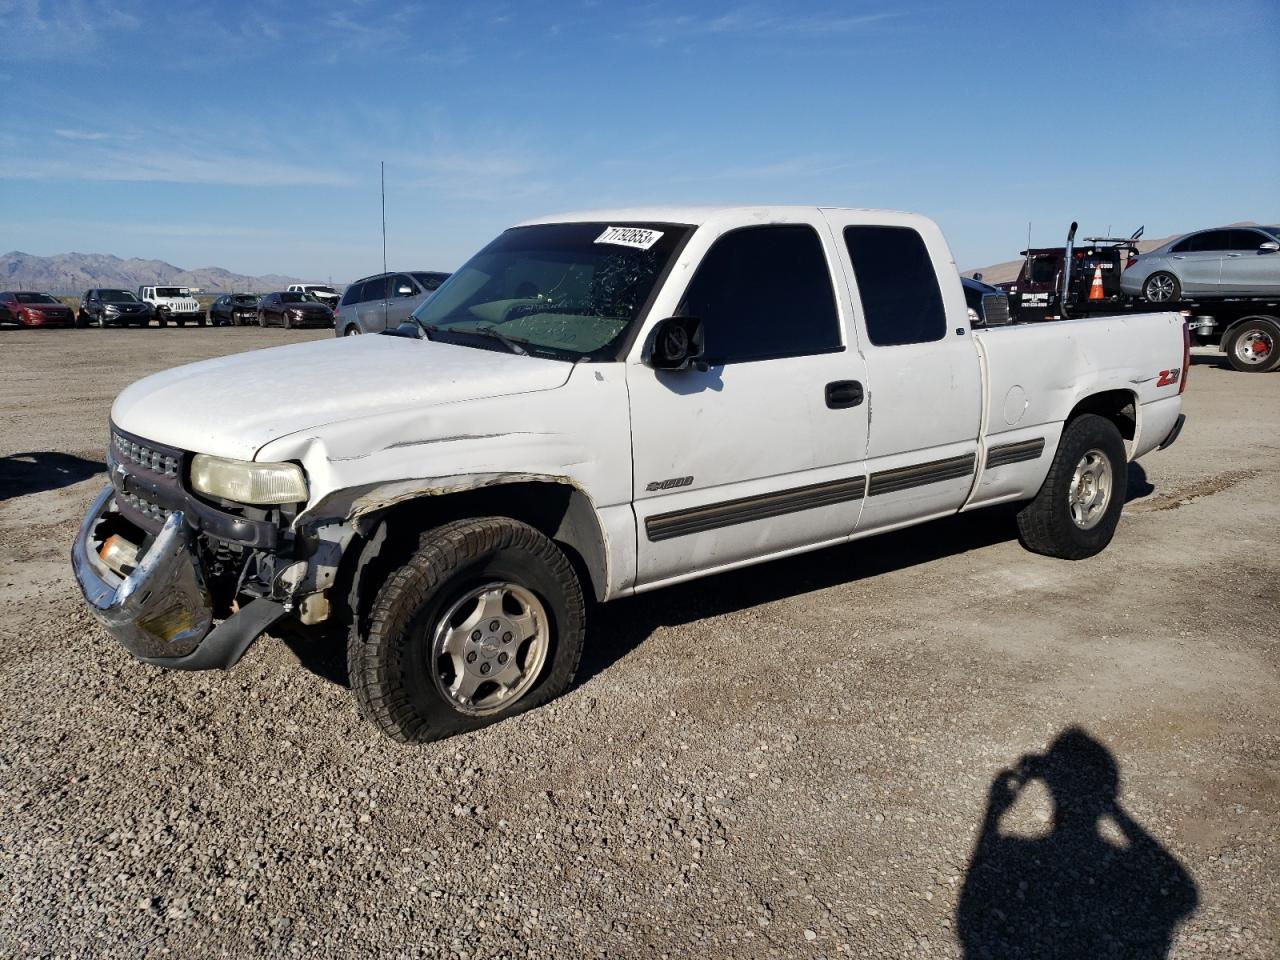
[[844, 393]]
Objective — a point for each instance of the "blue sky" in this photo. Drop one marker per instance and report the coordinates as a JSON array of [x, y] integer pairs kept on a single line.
[[248, 136]]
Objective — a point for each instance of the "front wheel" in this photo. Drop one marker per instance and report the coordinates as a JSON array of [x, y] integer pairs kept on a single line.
[[351, 331], [262, 319], [1162, 288], [1076, 512], [484, 621], [1254, 346]]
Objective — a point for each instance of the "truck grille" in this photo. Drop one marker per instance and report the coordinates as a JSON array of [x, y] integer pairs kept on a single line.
[[166, 463], [144, 506], [995, 309]]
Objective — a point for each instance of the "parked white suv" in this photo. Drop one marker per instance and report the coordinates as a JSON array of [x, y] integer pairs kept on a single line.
[[173, 303], [316, 291], [603, 404]]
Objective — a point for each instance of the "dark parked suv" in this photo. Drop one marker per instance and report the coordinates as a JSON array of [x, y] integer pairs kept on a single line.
[[104, 307], [377, 303]]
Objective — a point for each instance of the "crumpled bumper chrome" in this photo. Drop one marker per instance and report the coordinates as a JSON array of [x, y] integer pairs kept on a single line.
[[161, 612]]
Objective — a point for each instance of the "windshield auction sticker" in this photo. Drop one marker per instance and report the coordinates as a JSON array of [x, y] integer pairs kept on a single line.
[[637, 237]]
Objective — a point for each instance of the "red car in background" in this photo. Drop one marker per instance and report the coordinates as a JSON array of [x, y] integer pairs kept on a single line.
[[30, 309]]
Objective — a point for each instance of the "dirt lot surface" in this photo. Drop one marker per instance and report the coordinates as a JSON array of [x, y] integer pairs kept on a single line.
[[798, 760]]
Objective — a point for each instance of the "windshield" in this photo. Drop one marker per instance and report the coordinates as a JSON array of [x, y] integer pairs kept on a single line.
[[567, 290], [117, 296], [244, 298], [1044, 269], [172, 292], [35, 298], [293, 297], [430, 281], [1274, 231]]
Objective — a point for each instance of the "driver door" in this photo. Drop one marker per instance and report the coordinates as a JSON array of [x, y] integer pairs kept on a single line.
[[762, 453]]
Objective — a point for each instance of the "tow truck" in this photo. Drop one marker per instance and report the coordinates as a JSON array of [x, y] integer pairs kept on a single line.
[[1060, 283]]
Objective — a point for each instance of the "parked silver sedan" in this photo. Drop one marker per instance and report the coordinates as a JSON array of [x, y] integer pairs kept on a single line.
[[1227, 262]]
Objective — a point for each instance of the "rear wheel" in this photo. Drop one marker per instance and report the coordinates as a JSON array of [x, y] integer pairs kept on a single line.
[[1162, 287], [484, 621], [1254, 346], [351, 331], [1076, 512]]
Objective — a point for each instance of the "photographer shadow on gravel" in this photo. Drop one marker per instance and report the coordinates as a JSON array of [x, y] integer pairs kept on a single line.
[[1096, 887], [24, 473]]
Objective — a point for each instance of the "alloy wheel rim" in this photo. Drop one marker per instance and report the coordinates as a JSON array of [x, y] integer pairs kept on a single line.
[[1255, 347], [1090, 492], [1159, 289], [489, 648]]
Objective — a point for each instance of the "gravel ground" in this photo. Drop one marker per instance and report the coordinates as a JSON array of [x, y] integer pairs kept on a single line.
[[795, 760]]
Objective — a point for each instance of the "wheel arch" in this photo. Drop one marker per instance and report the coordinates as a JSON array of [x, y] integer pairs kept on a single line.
[[1119, 406], [387, 533]]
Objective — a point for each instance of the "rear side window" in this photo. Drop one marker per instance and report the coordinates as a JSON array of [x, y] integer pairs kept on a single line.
[[1204, 242], [352, 294], [762, 293], [901, 301]]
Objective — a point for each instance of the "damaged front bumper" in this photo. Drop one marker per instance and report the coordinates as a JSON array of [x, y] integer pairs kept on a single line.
[[161, 612]]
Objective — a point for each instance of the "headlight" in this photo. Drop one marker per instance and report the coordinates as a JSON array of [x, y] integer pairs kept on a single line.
[[246, 482], [112, 308]]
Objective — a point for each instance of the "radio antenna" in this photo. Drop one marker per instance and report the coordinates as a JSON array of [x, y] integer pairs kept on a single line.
[[382, 168]]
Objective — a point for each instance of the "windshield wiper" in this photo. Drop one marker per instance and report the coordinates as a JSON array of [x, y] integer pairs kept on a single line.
[[513, 345]]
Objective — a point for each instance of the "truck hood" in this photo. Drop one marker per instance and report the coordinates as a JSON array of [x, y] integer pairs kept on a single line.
[[232, 406]]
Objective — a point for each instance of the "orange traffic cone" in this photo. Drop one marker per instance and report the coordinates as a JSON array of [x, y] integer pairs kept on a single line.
[[1095, 288]]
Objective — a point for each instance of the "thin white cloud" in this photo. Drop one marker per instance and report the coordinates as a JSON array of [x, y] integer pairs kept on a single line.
[[68, 134], [759, 19], [160, 166], [43, 27]]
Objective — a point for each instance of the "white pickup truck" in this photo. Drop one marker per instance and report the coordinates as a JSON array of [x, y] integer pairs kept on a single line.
[[596, 405]]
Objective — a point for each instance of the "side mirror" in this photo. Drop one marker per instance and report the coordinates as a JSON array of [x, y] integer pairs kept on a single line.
[[404, 291], [676, 344], [1269, 247], [977, 275], [409, 329]]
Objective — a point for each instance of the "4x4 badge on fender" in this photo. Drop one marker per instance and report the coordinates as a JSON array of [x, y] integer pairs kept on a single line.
[[669, 484]]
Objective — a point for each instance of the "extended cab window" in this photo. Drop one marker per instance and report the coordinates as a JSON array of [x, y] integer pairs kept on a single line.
[[901, 302], [764, 292]]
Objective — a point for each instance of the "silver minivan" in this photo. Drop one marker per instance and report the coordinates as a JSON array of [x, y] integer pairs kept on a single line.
[[1227, 262], [385, 301]]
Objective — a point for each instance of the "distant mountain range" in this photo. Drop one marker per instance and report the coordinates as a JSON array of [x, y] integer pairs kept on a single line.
[[73, 273]]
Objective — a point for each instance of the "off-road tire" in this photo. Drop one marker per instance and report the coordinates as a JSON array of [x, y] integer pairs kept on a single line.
[[1045, 525], [388, 652], [1173, 297], [1257, 325]]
